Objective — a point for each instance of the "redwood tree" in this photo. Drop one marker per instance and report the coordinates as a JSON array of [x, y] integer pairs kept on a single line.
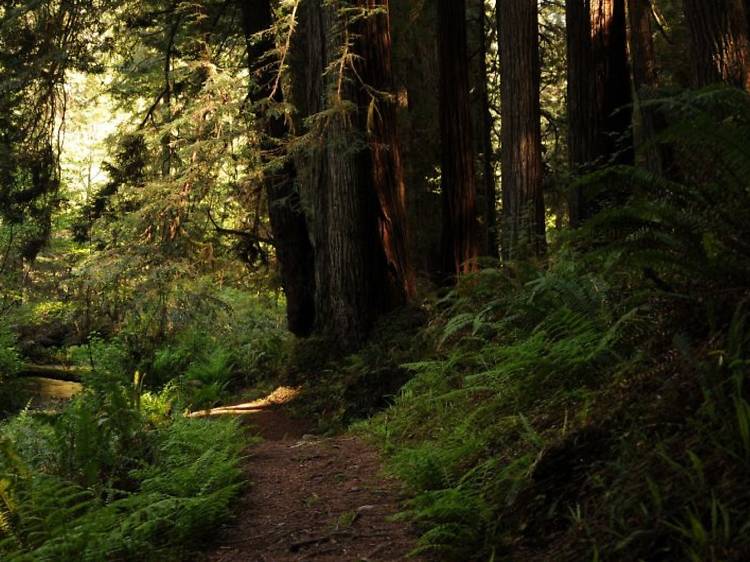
[[479, 37], [294, 252], [460, 237], [646, 120], [522, 168], [642, 44], [719, 35], [349, 168], [598, 90], [378, 107]]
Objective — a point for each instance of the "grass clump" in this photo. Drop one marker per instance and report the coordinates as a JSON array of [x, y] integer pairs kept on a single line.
[[467, 432]]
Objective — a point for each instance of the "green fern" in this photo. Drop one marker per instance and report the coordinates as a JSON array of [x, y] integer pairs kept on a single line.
[[185, 481]]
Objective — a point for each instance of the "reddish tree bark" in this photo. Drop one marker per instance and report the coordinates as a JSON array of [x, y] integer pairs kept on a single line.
[[721, 48], [642, 56], [646, 120], [522, 167], [599, 91], [460, 240], [378, 107], [350, 169]]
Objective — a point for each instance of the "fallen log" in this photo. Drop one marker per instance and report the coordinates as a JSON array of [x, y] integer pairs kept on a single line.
[[65, 373]]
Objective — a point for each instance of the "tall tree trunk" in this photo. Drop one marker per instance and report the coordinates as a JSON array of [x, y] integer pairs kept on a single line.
[[350, 172], [460, 240], [612, 78], [294, 251], [582, 124], [646, 120], [598, 91], [643, 58], [378, 107], [416, 72], [522, 168], [481, 121], [347, 309], [721, 48]]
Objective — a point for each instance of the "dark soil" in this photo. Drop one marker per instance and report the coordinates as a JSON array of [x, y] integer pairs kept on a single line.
[[311, 498]]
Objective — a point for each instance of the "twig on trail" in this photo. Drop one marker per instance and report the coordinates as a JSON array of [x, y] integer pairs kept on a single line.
[[333, 549], [297, 546], [323, 552], [377, 550], [373, 535], [261, 536]]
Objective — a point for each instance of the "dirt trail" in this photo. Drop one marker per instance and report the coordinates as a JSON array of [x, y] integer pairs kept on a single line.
[[310, 498]]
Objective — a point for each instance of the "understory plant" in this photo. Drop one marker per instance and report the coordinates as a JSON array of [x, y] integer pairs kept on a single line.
[[114, 477], [596, 407], [10, 363]]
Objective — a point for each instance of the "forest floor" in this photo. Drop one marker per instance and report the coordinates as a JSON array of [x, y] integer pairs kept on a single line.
[[309, 497]]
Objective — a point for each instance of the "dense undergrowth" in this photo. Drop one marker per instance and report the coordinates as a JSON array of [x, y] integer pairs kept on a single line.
[[119, 473], [113, 475], [119, 488], [595, 407]]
